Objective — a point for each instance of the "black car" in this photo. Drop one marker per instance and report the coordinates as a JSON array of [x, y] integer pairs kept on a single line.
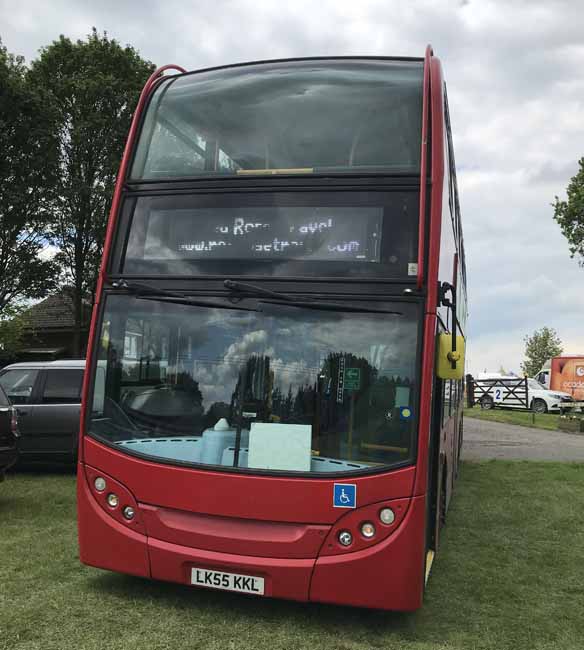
[[47, 397], [8, 434]]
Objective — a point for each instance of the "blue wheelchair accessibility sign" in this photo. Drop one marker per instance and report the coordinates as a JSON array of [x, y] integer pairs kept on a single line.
[[345, 495]]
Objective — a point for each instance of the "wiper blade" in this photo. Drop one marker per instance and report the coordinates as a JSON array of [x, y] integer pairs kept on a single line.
[[254, 290], [293, 301], [329, 306], [150, 292]]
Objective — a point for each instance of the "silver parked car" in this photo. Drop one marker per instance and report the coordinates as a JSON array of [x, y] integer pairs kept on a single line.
[[47, 397]]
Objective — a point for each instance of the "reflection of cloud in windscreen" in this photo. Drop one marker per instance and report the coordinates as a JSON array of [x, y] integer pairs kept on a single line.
[[302, 348], [218, 377], [388, 345]]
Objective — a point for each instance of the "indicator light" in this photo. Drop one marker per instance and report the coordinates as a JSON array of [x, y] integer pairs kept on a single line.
[[128, 512], [99, 484], [112, 500], [345, 538], [387, 516], [367, 530]]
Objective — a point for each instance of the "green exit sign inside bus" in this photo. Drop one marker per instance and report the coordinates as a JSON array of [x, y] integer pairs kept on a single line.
[[352, 379]]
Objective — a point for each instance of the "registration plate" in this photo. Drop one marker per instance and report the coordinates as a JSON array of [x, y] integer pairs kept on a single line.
[[227, 581]]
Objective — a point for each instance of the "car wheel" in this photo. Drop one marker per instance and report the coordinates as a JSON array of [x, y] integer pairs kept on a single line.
[[487, 403], [539, 406]]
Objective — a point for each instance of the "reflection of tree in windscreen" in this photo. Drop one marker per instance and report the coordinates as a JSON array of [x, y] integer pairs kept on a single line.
[[375, 418], [253, 390], [216, 412], [327, 404], [183, 381]]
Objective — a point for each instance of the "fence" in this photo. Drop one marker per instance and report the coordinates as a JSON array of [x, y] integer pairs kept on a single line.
[[499, 391]]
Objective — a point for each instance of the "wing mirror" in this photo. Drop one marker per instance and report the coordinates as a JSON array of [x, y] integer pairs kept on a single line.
[[451, 347]]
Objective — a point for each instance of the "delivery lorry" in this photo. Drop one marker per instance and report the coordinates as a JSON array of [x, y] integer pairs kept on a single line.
[[566, 374]]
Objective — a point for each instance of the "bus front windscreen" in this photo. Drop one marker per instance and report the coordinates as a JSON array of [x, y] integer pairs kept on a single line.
[[311, 116], [263, 387]]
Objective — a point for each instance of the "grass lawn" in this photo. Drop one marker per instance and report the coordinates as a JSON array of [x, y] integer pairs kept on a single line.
[[509, 577], [509, 416]]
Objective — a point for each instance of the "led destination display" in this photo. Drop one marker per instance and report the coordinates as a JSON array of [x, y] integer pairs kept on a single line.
[[315, 233]]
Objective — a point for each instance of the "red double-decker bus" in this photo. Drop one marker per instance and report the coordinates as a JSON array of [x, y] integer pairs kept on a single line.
[[272, 403]]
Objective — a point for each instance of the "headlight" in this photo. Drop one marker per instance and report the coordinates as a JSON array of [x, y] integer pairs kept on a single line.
[[345, 538], [387, 516], [367, 530], [99, 484], [128, 512]]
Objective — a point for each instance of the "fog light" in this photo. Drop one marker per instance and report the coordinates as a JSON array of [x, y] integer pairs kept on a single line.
[[345, 538], [99, 484], [128, 512], [112, 500], [387, 516], [367, 530]]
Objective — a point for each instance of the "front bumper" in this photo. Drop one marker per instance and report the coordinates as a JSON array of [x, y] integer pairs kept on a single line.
[[388, 575]]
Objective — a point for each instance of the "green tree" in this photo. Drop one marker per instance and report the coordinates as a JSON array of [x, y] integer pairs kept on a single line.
[[94, 86], [26, 170], [12, 324], [570, 214], [542, 345]]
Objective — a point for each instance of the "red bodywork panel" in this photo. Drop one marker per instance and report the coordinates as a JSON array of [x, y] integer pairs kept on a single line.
[[231, 535], [432, 265], [104, 542], [284, 529], [284, 578], [391, 572], [175, 543], [230, 494]]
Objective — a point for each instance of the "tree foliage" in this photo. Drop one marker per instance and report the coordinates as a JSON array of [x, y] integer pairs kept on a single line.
[[570, 214], [542, 345], [12, 325], [94, 86], [27, 175]]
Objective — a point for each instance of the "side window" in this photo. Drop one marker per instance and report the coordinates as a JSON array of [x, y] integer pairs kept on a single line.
[[18, 384], [62, 387], [447, 400], [3, 399]]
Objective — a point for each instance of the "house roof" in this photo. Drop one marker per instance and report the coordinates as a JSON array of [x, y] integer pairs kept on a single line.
[[54, 313]]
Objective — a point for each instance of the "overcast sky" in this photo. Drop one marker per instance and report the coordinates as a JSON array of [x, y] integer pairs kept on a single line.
[[516, 90]]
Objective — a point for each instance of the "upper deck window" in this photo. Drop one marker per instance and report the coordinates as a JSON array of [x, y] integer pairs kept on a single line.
[[336, 115]]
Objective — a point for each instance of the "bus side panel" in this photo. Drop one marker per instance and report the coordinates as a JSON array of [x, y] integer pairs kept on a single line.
[[388, 575], [105, 543], [435, 223]]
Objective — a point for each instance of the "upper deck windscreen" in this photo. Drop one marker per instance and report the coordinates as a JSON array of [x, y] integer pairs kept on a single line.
[[343, 115]]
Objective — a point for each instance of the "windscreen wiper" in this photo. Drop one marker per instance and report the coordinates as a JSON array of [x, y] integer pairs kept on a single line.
[[324, 305], [293, 301], [150, 292], [254, 290]]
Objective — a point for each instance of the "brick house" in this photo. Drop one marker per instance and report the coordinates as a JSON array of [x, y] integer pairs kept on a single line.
[[49, 329]]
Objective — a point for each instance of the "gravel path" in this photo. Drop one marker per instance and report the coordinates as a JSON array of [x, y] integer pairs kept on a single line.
[[484, 440]]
